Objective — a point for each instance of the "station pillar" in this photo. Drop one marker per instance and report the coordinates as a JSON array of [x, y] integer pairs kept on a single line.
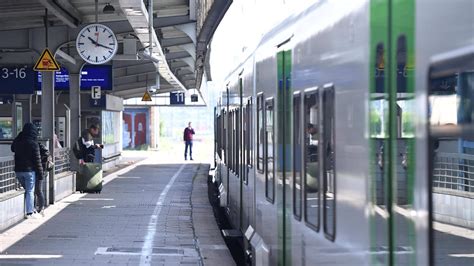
[[75, 105], [47, 125]]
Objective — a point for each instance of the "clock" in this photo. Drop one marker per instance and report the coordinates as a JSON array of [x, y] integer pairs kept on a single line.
[[96, 44]]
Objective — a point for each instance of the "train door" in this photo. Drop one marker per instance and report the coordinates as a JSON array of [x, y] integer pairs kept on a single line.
[[392, 133], [284, 160]]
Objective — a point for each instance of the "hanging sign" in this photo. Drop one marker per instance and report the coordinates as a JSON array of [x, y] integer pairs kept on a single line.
[[146, 97], [95, 92], [46, 62]]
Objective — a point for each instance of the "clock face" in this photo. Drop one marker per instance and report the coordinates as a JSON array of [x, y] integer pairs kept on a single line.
[[96, 44]]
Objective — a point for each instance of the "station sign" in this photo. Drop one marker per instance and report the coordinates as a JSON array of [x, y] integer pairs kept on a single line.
[[177, 98], [17, 79], [146, 97], [46, 62], [96, 75], [61, 80], [95, 92], [101, 102]]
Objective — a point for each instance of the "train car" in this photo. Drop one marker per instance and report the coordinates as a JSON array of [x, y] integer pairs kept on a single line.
[[326, 135]]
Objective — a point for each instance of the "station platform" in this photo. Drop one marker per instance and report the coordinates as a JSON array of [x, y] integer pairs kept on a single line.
[[154, 212]]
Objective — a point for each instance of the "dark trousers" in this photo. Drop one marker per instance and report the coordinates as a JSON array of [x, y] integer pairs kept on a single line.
[[39, 195], [189, 143]]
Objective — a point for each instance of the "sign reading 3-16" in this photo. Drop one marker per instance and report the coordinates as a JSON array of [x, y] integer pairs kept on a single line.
[[96, 44]]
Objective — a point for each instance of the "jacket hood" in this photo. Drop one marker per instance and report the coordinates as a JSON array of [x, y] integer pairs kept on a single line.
[[30, 131]]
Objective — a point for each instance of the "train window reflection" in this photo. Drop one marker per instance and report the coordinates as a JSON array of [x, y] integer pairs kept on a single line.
[[311, 159], [329, 175], [269, 151], [297, 184]]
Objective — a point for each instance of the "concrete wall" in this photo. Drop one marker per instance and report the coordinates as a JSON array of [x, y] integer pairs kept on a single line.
[[64, 185], [11, 208], [453, 209]]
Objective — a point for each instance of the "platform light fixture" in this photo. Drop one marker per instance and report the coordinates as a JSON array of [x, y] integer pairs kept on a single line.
[[108, 9]]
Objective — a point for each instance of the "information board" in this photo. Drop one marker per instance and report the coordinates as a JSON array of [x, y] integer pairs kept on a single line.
[[96, 75], [61, 80], [17, 80]]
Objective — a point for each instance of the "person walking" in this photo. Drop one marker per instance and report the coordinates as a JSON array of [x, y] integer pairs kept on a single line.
[[188, 141], [28, 164]]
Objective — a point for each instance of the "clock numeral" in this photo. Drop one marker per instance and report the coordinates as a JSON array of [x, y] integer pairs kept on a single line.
[[105, 58], [112, 43], [110, 52], [104, 30], [110, 36], [81, 43], [96, 59], [88, 30], [82, 52], [88, 57], [82, 35]]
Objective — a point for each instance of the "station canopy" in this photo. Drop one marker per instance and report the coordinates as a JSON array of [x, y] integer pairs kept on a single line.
[[180, 40]]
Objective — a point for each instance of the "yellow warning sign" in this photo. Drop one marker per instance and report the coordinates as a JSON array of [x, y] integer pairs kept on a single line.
[[46, 62], [146, 97]]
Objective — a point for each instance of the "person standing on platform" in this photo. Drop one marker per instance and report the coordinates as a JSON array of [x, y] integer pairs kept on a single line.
[[28, 164], [88, 147], [188, 140]]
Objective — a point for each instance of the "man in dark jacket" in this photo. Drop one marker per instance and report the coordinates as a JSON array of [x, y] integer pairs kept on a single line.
[[188, 140], [28, 164]]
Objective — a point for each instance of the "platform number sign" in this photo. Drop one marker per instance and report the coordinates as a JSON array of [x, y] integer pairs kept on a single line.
[[95, 92], [176, 98]]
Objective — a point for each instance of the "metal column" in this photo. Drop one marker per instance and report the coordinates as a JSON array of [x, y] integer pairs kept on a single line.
[[47, 125], [75, 105]]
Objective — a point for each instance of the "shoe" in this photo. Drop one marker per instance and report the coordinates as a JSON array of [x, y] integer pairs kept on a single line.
[[32, 216], [192, 159], [41, 212], [186, 159]]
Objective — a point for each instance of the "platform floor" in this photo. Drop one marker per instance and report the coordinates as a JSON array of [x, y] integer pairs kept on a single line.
[[147, 214]]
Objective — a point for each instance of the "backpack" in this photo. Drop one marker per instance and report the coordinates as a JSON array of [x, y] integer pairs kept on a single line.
[[77, 148]]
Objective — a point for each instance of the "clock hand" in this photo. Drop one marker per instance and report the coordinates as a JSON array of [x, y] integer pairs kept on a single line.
[[101, 45], [92, 40]]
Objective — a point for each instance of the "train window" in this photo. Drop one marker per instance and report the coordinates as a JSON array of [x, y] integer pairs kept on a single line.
[[329, 169], [297, 184], [269, 151], [225, 137], [451, 179], [311, 159], [238, 139], [246, 156], [260, 133]]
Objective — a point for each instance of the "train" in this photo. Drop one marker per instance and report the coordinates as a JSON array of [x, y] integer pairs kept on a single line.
[[327, 132]]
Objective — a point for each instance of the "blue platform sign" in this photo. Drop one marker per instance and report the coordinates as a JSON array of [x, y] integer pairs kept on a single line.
[[176, 98], [61, 80], [98, 102], [17, 80], [96, 75]]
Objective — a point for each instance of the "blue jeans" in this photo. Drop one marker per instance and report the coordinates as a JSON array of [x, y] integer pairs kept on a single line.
[[27, 181], [189, 143]]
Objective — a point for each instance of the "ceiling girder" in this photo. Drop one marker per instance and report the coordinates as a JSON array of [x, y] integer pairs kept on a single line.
[[64, 11]]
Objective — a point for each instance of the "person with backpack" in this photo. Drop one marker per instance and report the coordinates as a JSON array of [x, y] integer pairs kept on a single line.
[[84, 148], [28, 166]]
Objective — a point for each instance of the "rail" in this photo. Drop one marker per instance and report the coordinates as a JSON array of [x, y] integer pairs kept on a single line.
[[454, 171], [62, 161], [8, 181]]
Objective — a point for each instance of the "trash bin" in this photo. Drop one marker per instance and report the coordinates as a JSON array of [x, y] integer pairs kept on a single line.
[[89, 178]]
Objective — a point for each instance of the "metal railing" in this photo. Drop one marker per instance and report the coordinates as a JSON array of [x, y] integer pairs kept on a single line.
[[454, 171], [8, 181], [61, 161]]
